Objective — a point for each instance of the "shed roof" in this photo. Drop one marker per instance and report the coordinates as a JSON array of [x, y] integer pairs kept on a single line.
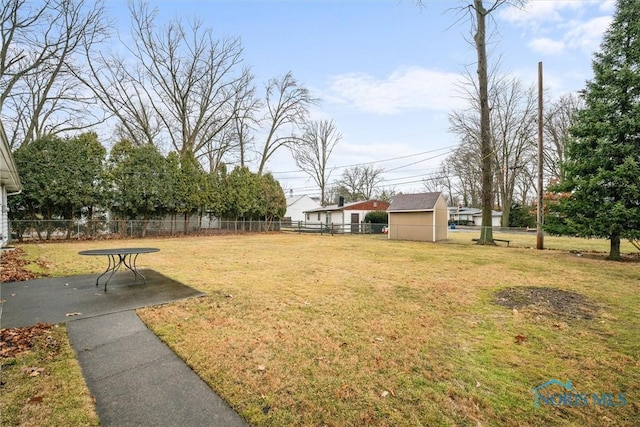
[[414, 202]]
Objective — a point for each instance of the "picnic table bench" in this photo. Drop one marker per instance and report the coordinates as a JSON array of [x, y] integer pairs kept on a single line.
[[496, 240]]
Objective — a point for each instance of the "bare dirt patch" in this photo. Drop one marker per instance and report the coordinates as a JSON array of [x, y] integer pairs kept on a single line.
[[548, 301]]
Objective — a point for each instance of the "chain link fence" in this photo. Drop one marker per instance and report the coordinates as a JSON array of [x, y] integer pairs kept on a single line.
[[50, 230], [60, 230]]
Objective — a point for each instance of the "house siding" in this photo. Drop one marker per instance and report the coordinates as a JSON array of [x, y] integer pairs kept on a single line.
[[4, 217], [496, 220], [9, 184], [297, 206], [340, 218]]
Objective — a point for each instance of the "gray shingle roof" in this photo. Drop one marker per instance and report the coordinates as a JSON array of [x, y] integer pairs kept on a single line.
[[414, 202]]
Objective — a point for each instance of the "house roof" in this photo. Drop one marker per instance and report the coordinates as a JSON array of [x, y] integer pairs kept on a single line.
[[8, 171], [464, 210], [470, 211], [493, 213], [414, 202], [360, 205], [295, 199]]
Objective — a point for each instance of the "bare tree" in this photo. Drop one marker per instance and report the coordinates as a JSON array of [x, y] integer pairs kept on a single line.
[[464, 164], [120, 90], [559, 117], [513, 113], [481, 13], [41, 52], [466, 161], [359, 182], [512, 136], [385, 194], [232, 143], [313, 150], [442, 180], [525, 191], [245, 120], [182, 84], [287, 103], [478, 14]]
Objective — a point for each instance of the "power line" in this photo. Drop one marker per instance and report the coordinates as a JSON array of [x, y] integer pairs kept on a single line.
[[383, 160], [420, 161]]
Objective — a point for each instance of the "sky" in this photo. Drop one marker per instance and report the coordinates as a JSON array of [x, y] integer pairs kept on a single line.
[[387, 72]]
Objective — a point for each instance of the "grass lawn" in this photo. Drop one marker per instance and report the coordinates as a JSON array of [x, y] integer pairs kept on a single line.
[[357, 330], [43, 386]]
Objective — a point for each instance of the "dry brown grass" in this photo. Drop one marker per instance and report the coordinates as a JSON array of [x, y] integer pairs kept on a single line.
[[359, 330]]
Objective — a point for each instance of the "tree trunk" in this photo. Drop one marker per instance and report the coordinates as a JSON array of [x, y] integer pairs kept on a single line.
[[486, 233], [614, 251]]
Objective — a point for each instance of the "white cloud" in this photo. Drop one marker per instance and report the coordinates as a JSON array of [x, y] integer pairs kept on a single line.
[[406, 89], [608, 6], [546, 46], [535, 13], [587, 35], [557, 27]]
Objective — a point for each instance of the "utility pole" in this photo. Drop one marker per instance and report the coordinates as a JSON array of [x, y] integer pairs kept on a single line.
[[539, 234]]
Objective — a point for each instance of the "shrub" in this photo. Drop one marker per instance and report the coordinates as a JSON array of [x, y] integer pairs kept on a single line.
[[377, 217]]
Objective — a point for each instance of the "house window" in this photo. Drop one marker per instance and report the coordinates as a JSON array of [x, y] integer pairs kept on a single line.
[[318, 216], [308, 217]]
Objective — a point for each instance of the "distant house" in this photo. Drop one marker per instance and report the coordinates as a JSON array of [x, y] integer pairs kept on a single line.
[[496, 219], [472, 216], [9, 184], [422, 216], [462, 215], [344, 217], [298, 205]]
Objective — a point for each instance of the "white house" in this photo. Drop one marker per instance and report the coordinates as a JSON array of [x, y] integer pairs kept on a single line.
[[298, 205], [344, 217], [9, 184], [462, 215], [472, 216], [496, 219]]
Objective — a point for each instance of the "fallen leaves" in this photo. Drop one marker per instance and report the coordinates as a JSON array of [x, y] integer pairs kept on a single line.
[[519, 339], [345, 392], [32, 371], [388, 392], [13, 264], [35, 399], [15, 341]]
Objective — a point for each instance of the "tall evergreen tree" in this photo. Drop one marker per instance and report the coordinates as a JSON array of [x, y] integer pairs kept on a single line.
[[138, 181], [602, 169], [62, 177]]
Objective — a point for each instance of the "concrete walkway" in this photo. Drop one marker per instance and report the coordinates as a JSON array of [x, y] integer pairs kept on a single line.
[[135, 378], [138, 381]]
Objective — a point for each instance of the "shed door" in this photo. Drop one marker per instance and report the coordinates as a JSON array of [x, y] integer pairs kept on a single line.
[[355, 223]]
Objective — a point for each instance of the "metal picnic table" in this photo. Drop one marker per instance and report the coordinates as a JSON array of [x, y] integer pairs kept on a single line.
[[118, 257]]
